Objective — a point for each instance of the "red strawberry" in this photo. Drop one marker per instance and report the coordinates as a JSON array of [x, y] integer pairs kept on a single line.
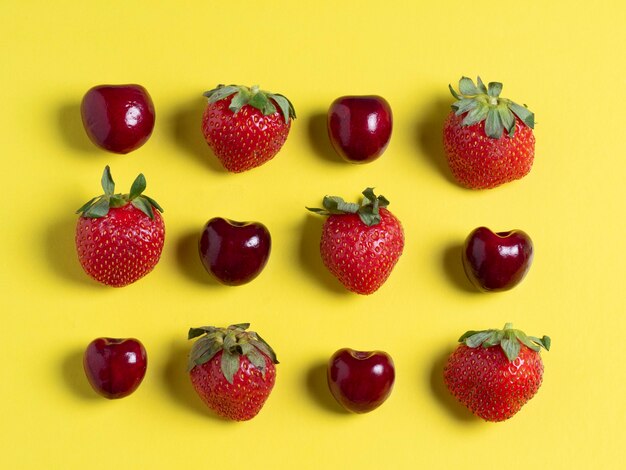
[[360, 244], [479, 154], [246, 127], [232, 370], [495, 372], [119, 237]]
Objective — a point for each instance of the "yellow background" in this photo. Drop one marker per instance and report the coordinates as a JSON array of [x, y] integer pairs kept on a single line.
[[564, 60]]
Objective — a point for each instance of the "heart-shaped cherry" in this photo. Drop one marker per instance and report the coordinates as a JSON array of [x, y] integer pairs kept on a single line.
[[360, 127], [115, 367], [360, 380], [234, 252], [497, 261], [118, 118]]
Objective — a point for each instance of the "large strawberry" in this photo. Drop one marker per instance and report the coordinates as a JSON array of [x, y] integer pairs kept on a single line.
[[232, 370], [480, 153], [361, 243], [495, 372], [245, 127], [119, 237]]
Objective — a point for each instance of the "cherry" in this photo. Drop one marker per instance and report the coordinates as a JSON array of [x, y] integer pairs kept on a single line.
[[497, 261], [234, 252], [118, 118], [115, 367], [360, 380], [359, 127]]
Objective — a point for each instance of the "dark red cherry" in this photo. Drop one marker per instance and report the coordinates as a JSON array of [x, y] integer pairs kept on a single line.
[[359, 127], [115, 367], [118, 118], [360, 380], [497, 261], [234, 252]]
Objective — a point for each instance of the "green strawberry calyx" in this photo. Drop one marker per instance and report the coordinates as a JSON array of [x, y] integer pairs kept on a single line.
[[252, 96], [234, 342], [483, 103], [509, 339], [99, 206], [368, 211]]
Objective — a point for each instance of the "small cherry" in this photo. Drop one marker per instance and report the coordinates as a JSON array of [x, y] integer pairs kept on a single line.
[[497, 261], [115, 366], [360, 380], [118, 118], [233, 252], [360, 127]]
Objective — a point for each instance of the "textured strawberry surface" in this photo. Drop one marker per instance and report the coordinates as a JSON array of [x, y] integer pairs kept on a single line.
[[481, 162], [360, 256], [245, 139], [490, 385], [243, 399], [121, 247]]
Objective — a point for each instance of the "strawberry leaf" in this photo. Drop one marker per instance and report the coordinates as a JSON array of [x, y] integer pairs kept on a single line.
[[221, 92], [509, 339], [286, 108], [493, 125], [483, 103], [523, 113], [108, 185], [87, 205], [510, 346], [229, 365], [97, 210], [467, 87], [494, 89], [144, 206], [138, 186]]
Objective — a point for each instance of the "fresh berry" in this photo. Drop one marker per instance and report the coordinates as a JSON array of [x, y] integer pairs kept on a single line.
[[119, 237], [118, 118], [234, 253], [115, 366], [245, 127], [495, 372], [360, 380], [232, 370], [359, 127], [497, 261], [360, 244], [480, 153]]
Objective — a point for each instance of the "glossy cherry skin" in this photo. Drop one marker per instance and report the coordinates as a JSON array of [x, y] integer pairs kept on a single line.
[[118, 118], [360, 380], [360, 127], [114, 366], [497, 261], [234, 253]]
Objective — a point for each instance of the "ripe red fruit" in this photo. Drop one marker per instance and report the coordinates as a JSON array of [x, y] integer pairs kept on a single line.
[[360, 380], [495, 372], [118, 118], [479, 153], [497, 261], [234, 253], [119, 237], [360, 244], [246, 127], [114, 366], [359, 127], [232, 370]]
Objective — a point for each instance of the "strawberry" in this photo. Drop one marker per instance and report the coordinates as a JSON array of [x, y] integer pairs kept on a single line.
[[495, 372], [119, 237], [360, 244], [232, 370], [479, 153], [245, 127]]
